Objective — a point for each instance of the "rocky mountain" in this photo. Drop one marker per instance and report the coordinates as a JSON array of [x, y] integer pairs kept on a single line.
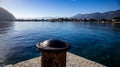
[[97, 15], [5, 15]]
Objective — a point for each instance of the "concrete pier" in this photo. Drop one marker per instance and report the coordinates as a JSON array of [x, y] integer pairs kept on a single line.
[[72, 61]]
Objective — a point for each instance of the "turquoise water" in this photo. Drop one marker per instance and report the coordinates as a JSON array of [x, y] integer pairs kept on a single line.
[[96, 42]]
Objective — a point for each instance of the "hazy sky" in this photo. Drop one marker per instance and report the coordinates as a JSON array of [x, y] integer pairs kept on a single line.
[[57, 8]]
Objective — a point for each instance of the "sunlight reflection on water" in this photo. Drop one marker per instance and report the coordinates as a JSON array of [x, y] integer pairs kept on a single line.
[[97, 42]]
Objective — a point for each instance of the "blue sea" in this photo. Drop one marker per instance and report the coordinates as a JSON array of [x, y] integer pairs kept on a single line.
[[99, 42]]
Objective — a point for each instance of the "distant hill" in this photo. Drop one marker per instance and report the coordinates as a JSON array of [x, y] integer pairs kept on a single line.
[[97, 15], [5, 15]]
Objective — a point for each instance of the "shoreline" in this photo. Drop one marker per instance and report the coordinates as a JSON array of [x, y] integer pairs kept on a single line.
[[59, 21]]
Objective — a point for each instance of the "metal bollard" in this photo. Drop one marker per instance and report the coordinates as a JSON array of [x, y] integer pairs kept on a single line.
[[53, 53]]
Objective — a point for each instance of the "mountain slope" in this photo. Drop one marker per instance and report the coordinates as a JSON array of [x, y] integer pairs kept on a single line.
[[106, 15], [5, 15]]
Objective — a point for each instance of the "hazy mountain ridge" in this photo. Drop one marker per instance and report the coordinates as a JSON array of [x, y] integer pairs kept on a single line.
[[5, 15], [97, 15]]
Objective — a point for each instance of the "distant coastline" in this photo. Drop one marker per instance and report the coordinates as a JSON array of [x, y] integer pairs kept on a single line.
[[111, 16], [116, 19]]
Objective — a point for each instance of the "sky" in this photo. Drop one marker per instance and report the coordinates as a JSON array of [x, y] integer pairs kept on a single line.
[[57, 8]]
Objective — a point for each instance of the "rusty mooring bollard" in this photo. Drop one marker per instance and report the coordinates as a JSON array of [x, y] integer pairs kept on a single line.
[[53, 53]]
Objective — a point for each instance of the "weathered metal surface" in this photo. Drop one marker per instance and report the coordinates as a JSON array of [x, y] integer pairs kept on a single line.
[[53, 45], [53, 53]]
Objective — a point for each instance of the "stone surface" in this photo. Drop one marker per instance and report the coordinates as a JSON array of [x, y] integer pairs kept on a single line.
[[72, 61]]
